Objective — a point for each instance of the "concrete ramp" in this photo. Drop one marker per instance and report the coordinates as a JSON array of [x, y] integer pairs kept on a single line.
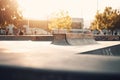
[[106, 51], [59, 39], [80, 39], [73, 39]]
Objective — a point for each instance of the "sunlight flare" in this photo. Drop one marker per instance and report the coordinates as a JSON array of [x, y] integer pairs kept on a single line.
[[41, 9]]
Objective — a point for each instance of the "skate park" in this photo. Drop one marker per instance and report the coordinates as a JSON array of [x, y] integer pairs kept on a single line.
[[59, 40], [41, 59]]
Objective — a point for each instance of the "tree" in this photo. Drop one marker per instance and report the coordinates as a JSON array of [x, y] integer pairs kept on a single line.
[[117, 21], [60, 20], [9, 12], [106, 20]]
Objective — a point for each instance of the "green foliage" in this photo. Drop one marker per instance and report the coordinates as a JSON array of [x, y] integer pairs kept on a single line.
[[9, 12], [60, 20], [109, 19]]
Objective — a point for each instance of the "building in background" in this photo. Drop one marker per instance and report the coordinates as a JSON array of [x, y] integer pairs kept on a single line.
[[42, 25], [77, 23]]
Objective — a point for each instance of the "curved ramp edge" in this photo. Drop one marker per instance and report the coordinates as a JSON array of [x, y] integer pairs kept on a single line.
[[106, 51], [59, 39]]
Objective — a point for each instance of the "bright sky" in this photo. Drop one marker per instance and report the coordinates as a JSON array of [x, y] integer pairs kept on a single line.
[[41, 9]]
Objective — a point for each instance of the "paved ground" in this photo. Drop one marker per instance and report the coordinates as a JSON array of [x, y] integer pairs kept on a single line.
[[44, 55]]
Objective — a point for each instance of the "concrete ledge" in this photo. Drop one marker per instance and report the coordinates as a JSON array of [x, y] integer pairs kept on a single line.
[[27, 37], [50, 37], [79, 36], [107, 38]]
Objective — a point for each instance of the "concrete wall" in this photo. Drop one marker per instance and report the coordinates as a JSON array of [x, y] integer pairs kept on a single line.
[[27, 37], [107, 38], [50, 37]]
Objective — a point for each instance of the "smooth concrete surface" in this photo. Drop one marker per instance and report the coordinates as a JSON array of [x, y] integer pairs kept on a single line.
[[29, 60]]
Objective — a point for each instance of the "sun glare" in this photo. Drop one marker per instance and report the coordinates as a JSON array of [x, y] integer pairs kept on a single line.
[[41, 9], [33, 9]]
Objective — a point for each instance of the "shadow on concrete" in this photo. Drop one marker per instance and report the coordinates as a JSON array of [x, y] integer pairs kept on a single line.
[[20, 73]]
